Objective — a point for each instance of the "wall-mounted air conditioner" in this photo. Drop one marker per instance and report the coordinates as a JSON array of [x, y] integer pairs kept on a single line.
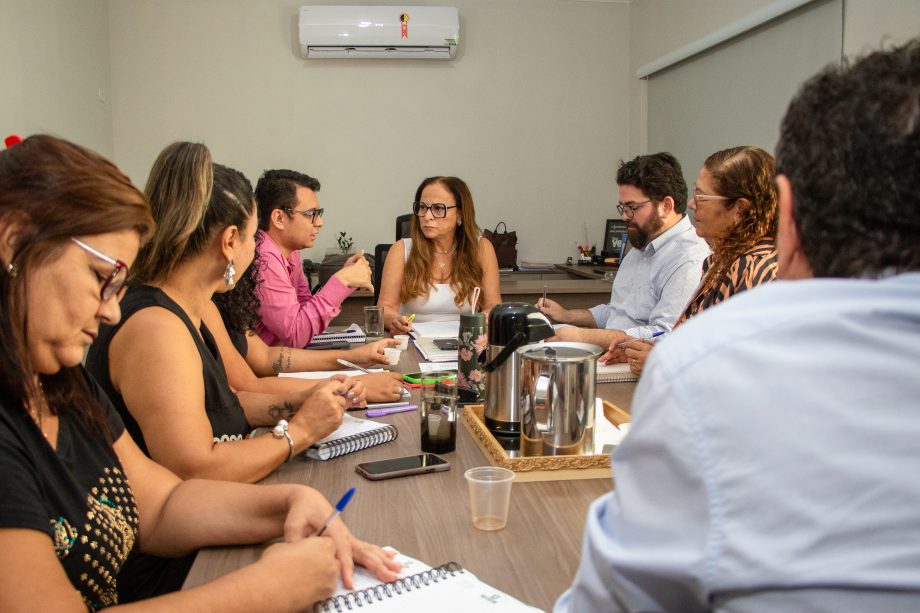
[[386, 32]]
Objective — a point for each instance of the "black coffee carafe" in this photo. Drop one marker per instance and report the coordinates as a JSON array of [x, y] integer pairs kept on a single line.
[[512, 325]]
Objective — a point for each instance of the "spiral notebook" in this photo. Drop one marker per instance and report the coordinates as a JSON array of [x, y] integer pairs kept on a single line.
[[447, 589], [353, 435], [351, 334], [614, 373]]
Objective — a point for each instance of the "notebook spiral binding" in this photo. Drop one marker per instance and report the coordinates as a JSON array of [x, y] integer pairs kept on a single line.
[[361, 598], [362, 440]]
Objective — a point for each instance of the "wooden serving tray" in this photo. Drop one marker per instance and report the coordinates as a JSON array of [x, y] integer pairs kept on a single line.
[[542, 468]]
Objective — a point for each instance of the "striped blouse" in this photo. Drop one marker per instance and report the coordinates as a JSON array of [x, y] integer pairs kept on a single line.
[[755, 266]]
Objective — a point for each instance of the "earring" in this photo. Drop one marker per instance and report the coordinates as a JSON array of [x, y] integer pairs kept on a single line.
[[230, 274], [11, 269]]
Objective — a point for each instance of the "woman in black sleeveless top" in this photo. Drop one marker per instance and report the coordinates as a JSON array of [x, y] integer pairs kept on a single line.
[[161, 364], [78, 497]]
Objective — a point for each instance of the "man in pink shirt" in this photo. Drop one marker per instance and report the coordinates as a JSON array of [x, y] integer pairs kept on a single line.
[[289, 220]]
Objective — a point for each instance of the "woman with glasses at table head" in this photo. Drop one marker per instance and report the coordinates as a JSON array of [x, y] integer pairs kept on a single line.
[[77, 495], [432, 274], [735, 201]]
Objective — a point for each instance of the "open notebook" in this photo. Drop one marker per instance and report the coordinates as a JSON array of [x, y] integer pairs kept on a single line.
[[614, 373], [447, 589]]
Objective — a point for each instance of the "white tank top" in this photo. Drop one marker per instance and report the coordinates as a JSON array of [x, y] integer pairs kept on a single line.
[[438, 305]]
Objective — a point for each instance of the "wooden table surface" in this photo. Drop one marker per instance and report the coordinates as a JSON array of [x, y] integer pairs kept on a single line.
[[534, 558]]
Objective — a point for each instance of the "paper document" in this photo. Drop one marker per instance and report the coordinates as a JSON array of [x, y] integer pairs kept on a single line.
[[436, 329], [433, 366], [325, 374]]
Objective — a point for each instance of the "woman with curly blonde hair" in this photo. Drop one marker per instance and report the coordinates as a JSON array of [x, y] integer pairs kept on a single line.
[[735, 204], [432, 274]]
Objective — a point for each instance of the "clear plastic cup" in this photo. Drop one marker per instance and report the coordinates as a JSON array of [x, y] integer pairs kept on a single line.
[[490, 495]]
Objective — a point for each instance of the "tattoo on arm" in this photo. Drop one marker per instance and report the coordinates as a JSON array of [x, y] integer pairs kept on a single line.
[[285, 410], [279, 365]]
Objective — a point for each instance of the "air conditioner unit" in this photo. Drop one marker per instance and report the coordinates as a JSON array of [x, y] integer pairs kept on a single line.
[[381, 32]]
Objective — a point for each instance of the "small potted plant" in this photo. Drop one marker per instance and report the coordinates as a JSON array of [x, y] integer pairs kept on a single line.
[[345, 243]]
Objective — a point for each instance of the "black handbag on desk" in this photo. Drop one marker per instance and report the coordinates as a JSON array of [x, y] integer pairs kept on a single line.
[[505, 244]]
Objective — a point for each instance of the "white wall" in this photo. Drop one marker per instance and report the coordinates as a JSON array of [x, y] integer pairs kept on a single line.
[[533, 113], [658, 27], [55, 59]]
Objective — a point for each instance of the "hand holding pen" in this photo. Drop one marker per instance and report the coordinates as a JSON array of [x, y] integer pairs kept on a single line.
[[354, 366], [339, 507], [619, 350]]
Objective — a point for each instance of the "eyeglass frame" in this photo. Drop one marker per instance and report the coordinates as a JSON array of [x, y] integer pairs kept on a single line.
[[705, 197], [418, 212], [108, 286], [631, 207], [310, 214]]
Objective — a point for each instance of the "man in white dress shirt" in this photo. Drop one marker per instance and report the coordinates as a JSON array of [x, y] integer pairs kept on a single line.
[[659, 275], [773, 462]]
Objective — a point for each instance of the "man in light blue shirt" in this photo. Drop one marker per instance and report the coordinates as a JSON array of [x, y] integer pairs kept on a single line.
[[773, 461], [659, 275]]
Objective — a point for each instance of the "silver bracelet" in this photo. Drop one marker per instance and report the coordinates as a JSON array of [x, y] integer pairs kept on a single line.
[[281, 431]]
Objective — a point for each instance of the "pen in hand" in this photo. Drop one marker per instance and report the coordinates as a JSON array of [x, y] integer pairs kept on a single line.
[[348, 364], [339, 507], [647, 338]]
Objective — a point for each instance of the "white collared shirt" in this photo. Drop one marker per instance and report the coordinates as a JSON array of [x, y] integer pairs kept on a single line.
[[653, 285]]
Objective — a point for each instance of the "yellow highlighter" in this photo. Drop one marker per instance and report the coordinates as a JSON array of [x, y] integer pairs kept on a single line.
[[411, 317]]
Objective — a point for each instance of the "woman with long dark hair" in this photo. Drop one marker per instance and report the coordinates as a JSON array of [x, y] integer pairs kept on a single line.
[[77, 495]]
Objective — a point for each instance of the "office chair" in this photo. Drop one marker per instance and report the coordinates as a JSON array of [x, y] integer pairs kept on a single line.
[[403, 226], [380, 256]]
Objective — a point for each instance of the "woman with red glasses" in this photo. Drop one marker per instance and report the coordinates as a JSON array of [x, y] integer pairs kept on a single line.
[[77, 495]]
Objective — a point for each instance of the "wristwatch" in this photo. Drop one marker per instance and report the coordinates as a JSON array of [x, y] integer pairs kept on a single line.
[[281, 431]]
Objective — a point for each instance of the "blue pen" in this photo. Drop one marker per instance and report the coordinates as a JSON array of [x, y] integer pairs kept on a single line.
[[647, 338], [343, 502]]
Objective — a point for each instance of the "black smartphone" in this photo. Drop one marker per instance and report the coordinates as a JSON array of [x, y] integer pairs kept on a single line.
[[447, 344], [400, 467]]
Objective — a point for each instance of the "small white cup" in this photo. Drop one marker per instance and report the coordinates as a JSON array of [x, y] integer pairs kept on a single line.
[[392, 355], [403, 341]]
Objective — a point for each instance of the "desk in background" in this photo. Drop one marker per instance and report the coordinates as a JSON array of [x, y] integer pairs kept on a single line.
[[575, 287], [428, 516]]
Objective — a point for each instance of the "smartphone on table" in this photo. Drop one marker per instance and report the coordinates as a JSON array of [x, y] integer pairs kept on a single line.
[[401, 467], [447, 344]]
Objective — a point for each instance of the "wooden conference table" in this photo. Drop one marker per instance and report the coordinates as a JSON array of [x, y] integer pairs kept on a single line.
[[534, 558]]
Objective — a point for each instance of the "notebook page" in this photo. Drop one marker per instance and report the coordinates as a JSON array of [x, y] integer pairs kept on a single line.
[[436, 329], [351, 425], [460, 593]]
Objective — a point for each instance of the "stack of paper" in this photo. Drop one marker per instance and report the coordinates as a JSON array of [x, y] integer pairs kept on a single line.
[[436, 329]]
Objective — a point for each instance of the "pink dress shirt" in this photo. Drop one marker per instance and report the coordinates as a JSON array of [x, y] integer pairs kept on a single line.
[[291, 314]]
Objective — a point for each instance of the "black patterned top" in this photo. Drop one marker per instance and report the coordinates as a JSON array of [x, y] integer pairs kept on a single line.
[[77, 494]]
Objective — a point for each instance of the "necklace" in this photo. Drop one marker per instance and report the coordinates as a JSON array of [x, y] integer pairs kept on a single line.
[[452, 249], [36, 413]]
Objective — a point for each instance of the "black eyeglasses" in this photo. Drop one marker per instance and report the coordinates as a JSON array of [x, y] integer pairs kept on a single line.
[[630, 207], [438, 210], [311, 214], [115, 282]]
